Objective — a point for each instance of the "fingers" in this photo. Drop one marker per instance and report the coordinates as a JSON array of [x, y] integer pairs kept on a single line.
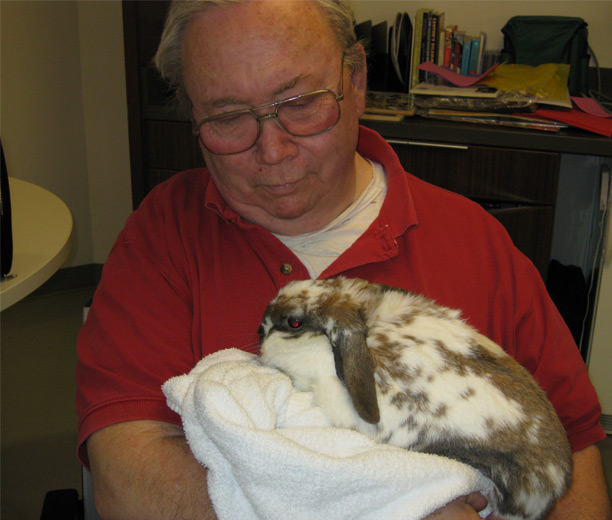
[[462, 508]]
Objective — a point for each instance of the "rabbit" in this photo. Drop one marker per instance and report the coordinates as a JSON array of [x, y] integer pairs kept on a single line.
[[405, 371]]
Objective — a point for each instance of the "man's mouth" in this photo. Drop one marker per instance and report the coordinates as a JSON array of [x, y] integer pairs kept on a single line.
[[282, 189]]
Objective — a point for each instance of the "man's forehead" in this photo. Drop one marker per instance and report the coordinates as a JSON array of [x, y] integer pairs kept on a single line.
[[266, 19], [232, 58]]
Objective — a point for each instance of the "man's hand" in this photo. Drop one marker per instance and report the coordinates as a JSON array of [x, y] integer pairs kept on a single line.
[[144, 469], [462, 508], [587, 499]]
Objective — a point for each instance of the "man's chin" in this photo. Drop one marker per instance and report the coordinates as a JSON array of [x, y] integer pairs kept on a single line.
[[289, 216]]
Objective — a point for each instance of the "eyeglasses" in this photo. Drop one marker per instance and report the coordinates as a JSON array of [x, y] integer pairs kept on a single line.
[[305, 115]]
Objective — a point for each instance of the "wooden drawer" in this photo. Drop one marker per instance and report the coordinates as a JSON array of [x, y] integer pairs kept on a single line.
[[517, 187], [155, 177], [484, 173], [171, 145], [531, 230]]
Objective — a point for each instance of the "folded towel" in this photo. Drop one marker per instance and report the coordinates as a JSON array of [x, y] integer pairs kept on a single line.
[[271, 453]]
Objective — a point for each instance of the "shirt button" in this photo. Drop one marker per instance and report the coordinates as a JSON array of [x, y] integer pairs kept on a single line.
[[286, 269]]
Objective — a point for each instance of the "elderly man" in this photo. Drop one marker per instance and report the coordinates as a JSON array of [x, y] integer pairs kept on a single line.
[[294, 189]]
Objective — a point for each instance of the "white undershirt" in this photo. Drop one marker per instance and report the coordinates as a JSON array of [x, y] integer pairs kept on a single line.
[[317, 250]]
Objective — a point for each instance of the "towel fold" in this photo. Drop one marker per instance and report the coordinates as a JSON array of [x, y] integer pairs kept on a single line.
[[272, 454]]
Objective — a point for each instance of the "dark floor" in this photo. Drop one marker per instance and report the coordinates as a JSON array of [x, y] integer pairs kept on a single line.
[[39, 422], [38, 418]]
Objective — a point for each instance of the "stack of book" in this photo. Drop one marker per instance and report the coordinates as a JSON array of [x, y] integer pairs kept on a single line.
[[447, 46]]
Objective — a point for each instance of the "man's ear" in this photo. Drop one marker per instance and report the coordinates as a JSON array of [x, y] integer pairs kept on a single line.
[[359, 80]]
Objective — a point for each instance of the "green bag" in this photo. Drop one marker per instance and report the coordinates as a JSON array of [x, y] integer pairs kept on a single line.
[[535, 40]]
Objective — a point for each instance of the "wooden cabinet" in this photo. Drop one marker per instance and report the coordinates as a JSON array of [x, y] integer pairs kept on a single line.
[[170, 147], [158, 139], [518, 187]]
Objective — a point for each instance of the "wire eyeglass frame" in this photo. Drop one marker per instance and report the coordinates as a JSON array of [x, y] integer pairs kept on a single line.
[[273, 115]]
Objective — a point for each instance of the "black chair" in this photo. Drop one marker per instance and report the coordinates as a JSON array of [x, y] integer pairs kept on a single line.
[[65, 504]]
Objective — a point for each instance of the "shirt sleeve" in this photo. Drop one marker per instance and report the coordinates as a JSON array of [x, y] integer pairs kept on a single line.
[[138, 331]]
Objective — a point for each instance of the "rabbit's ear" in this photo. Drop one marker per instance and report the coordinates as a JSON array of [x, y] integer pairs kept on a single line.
[[355, 366]]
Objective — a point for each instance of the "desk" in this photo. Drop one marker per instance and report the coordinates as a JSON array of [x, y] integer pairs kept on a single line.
[[42, 227], [571, 140]]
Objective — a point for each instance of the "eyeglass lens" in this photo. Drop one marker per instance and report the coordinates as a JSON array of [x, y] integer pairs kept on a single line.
[[303, 116]]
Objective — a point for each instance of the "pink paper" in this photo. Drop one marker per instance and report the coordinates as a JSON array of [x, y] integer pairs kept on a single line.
[[453, 77], [598, 125], [590, 106]]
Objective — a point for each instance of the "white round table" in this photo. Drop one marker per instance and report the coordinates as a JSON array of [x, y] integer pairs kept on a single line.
[[42, 230]]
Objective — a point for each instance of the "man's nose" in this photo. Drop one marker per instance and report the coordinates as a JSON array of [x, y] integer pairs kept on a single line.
[[274, 143]]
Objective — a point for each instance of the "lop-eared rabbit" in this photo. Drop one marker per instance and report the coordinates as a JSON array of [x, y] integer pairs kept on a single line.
[[405, 371]]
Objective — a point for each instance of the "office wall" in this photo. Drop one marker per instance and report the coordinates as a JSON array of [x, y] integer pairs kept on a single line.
[[43, 131], [474, 16], [64, 112], [105, 121]]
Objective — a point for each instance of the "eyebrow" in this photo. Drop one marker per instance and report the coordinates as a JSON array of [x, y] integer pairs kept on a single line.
[[224, 102]]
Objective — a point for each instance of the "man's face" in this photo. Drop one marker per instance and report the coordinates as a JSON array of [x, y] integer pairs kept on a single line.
[[261, 52]]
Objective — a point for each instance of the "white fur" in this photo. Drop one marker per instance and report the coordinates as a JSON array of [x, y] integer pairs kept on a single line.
[[310, 363], [534, 429], [387, 316], [491, 346], [468, 418], [556, 475], [311, 353]]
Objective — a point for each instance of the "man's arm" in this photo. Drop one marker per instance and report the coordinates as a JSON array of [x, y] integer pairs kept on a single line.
[[588, 497], [144, 469]]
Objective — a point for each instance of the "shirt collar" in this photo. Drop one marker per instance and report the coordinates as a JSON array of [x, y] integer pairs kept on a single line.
[[398, 211]]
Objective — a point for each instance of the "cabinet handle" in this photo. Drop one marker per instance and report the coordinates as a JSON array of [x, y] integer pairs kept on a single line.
[[429, 145]]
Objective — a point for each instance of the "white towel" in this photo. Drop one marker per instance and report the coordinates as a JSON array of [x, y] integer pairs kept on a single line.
[[271, 453]]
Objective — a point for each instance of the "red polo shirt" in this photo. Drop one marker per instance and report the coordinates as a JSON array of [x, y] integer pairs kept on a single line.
[[188, 276]]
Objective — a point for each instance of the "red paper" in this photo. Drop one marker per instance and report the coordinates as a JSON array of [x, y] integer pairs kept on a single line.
[[452, 77], [590, 106], [598, 125]]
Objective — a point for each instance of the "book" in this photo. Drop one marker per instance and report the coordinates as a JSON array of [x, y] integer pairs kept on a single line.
[[457, 54], [431, 89], [374, 116], [425, 43], [448, 44], [493, 118], [389, 103], [433, 38], [474, 55], [416, 47], [481, 51], [465, 59]]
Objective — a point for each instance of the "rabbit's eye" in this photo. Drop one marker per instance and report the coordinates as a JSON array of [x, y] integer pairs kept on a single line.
[[294, 323]]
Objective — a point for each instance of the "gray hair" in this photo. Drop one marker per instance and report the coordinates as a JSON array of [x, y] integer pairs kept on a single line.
[[168, 58]]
